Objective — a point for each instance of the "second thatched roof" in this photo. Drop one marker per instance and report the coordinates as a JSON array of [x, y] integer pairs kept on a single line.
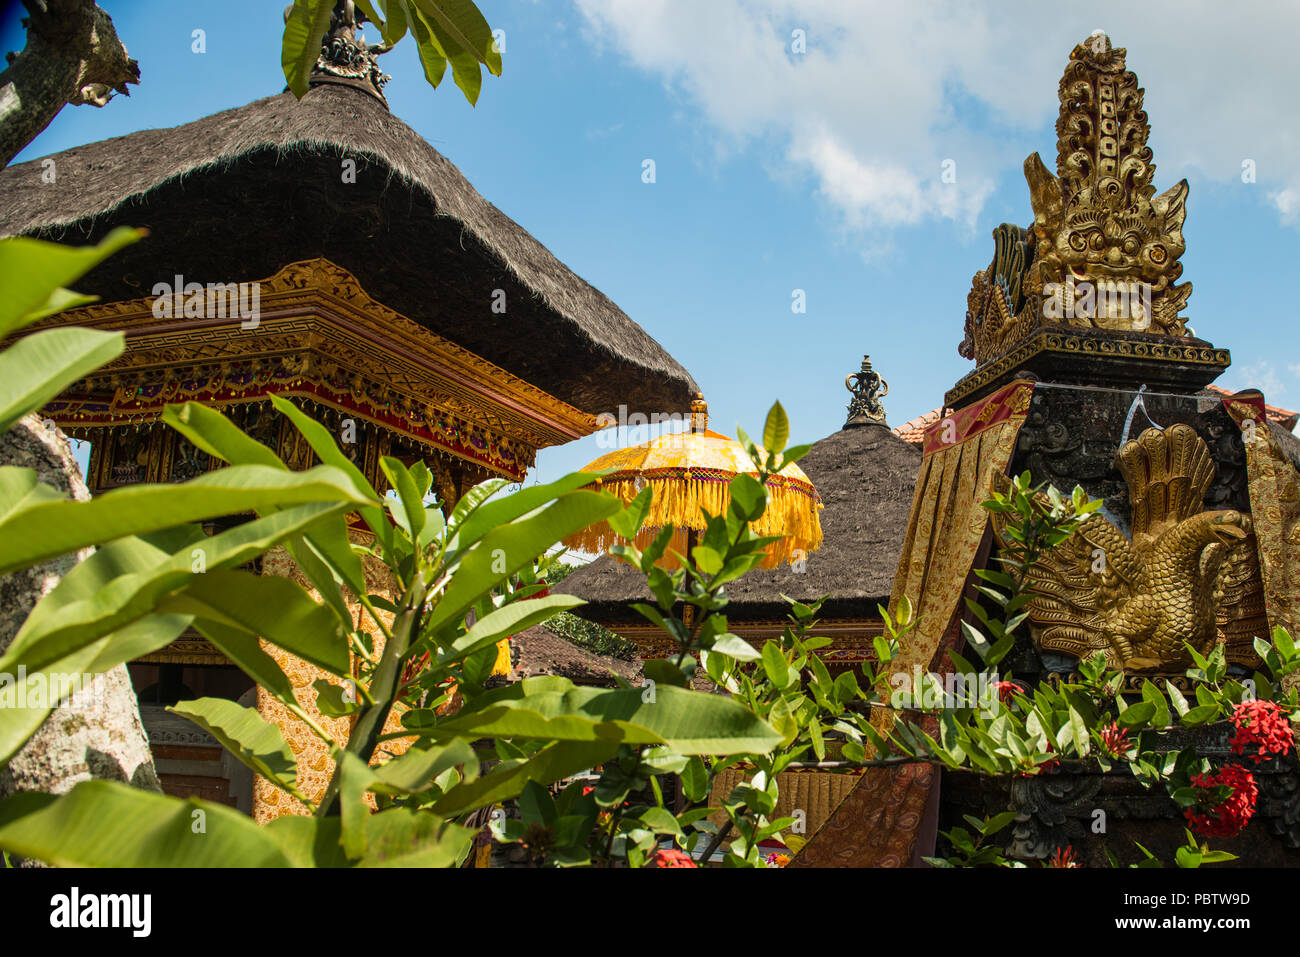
[[866, 476]]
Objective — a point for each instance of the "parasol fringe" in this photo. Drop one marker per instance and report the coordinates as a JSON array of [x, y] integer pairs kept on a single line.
[[792, 512]]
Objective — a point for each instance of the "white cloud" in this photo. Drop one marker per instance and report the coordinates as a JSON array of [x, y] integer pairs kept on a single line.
[[887, 91], [1262, 375]]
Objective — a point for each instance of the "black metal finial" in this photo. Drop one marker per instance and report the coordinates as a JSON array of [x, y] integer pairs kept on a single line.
[[345, 58], [868, 388]]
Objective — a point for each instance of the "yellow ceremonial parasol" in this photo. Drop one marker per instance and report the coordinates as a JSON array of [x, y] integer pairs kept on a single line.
[[690, 473]]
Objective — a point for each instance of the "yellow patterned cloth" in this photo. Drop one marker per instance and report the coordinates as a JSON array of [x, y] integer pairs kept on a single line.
[[948, 524], [690, 474], [1274, 488], [877, 824]]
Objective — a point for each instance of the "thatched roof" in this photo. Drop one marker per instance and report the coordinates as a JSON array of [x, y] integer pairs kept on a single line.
[[865, 475], [237, 195], [537, 651]]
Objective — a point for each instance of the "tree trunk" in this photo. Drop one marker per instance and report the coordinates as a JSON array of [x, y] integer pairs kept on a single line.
[[72, 56], [103, 739]]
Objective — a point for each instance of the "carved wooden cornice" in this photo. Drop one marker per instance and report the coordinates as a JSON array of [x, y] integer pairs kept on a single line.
[[320, 337]]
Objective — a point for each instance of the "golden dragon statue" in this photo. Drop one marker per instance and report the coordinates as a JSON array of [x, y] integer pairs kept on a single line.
[[1142, 600]]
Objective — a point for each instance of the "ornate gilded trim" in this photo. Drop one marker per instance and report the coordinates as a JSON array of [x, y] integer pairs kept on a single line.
[[186, 651], [1101, 345], [319, 336]]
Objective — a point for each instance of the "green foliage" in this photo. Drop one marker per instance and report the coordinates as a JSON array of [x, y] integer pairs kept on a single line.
[[592, 636], [652, 754], [463, 584], [445, 32]]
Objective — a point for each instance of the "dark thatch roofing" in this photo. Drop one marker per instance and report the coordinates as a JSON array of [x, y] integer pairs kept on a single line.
[[865, 475], [538, 651], [237, 195]]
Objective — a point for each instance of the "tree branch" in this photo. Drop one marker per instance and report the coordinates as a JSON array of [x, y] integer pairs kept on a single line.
[[73, 55]]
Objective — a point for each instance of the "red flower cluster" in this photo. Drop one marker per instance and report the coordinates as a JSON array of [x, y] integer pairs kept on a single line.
[[1063, 857], [1262, 727], [669, 857], [1005, 690], [1115, 740], [1228, 818]]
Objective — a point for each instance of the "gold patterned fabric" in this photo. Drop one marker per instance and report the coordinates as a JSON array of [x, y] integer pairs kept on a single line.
[[878, 823], [1274, 488]]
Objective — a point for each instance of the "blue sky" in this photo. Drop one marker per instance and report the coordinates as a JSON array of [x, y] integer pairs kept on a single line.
[[819, 171]]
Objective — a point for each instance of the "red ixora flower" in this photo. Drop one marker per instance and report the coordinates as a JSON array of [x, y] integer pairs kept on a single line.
[[1228, 818], [1115, 740], [1063, 857], [1263, 728], [1005, 690], [669, 857]]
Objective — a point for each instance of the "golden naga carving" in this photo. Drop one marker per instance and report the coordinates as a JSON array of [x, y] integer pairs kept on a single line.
[[1103, 250], [1177, 580]]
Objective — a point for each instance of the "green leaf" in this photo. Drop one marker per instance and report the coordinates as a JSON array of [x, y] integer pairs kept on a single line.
[[304, 28], [733, 646], [246, 651], [748, 496], [1079, 733], [506, 621], [506, 549], [274, 608], [629, 520], [210, 431], [1136, 715], [689, 722], [34, 272], [412, 499], [335, 701], [555, 761], [47, 529], [775, 665], [1160, 706], [433, 58], [107, 824], [1176, 696], [308, 841], [776, 430], [695, 780], [402, 837], [127, 579], [252, 739], [1199, 715], [492, 514], [415, 769], [40, 366]]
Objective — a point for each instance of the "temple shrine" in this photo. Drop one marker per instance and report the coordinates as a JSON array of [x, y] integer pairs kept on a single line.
[[363, 278], [368, 281]]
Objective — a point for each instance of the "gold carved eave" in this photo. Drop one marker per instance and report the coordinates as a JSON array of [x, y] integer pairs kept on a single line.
[[319, 337]]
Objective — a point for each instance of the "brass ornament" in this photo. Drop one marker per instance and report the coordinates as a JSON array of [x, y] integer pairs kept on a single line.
[[867, 387], [1184, 573]]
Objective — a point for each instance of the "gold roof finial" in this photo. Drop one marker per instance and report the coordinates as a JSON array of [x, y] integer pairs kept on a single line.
[[868, 387], [1099, 219], [699, 414]]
